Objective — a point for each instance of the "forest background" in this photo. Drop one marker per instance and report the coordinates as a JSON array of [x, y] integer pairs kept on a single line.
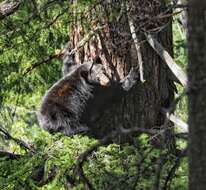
[[32, 36]]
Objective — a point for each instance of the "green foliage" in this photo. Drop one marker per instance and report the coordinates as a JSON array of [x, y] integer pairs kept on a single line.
[[180, 55], [28, 37], [133, 167]]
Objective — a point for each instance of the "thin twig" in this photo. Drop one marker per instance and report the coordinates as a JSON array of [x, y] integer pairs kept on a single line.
[[9, 155], [139, 167], [174, 169], [137, 46], [83, 157], [18, 141], [60, 53]]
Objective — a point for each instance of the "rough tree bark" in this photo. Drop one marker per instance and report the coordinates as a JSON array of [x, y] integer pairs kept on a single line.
[[115, 47], [197, 94]]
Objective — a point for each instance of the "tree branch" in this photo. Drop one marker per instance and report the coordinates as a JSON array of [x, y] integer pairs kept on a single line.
[[7, 8], [177, 71], [160, 164], [174, 168], [137, 46], [105, 141], [176, 120], [58, 54], [9, 155], [18, 141]]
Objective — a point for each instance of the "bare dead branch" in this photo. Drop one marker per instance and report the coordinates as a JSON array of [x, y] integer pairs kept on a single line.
[[176, 120], [137, 46], [140, 130], [176, 70], [7, 8]]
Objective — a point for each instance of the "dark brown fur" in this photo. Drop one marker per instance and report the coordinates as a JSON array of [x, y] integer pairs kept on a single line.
[[65, 101]]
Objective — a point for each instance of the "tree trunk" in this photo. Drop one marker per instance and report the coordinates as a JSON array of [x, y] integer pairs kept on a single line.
[[114, 46], [197, 94]]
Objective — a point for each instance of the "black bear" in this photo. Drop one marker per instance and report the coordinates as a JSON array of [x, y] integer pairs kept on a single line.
[[73, 102], [64, 102]]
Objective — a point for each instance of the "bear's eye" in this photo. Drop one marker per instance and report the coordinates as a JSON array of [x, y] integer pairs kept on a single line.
[[53, 117], [84, 74]]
